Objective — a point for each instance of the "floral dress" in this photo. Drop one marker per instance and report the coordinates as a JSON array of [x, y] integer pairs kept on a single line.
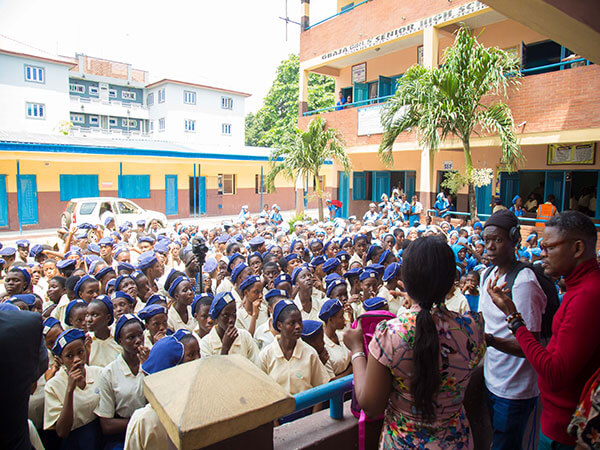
[[462, 347], [585, 424]]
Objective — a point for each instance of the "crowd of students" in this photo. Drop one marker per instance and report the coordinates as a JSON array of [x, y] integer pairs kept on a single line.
[[121, 303]]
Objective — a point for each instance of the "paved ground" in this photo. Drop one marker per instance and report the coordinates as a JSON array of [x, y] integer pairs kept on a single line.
[[8, 238]]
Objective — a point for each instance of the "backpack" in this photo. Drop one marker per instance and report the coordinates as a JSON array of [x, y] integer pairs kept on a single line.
[[369, 321], [547, 285]]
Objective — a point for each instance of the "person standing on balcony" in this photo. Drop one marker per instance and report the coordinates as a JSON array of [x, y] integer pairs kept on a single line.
[[341, 102], [517, 207], [546, 211]]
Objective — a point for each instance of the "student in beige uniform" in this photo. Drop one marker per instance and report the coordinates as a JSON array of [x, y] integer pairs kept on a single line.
[[225, 338], [391, 290], [308, 299], [120, 383], [238, 275], [123, 303], [200, 310], [312, 334], [265, 333], [252, 312], [332, 314], [180, 313], [104, 349], [155, 319], [70, 396]]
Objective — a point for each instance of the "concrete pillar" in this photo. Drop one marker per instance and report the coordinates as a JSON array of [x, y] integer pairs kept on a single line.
[[299, 186], [303, 101], [305, 19], [431, 44]]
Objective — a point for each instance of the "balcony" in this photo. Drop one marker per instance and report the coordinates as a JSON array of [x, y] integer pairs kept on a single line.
[[97, 131], [113, 108]]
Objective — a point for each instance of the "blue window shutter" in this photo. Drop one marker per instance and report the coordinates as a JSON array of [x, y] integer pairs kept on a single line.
[[134, 186], [359, 186], [76, 186], [3, 202]]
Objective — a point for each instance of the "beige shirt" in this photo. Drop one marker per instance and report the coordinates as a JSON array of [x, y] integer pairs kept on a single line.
[[121, 392], [36, 402], [243, 319], [103, 351], [263, 335], [225, 286], [61, 308], [243, 345], [84, 400], [316, 305], [174, 321], [393, 302], [339, 355], [457, 303], [145, 432], [303, 371], [34, 437]]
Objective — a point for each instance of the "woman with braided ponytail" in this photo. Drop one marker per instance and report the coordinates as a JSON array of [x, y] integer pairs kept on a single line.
[[419, 364]]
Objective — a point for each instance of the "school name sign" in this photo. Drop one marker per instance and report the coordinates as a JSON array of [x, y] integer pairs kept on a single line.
[[451, 14]]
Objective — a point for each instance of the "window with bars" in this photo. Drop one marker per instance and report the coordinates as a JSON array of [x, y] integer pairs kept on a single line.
[[226, 184]]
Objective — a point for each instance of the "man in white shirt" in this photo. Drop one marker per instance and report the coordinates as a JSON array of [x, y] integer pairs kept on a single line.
[[510, 380], [371, 215]]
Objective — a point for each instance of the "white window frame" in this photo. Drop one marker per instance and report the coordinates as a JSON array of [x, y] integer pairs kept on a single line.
[[93, 90], [226, 129], [150, 99], [161, 95], [132, 123], [226, 102], [151, 126], [37, 74], [189, 125], [231, 178], [189, 97], [161, 124], [112, 93], [94, 120], [113, 122], [41, 107], [76, 88], [77, 118], [128, 95]]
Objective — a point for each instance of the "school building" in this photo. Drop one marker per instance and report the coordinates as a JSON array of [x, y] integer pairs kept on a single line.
[[367, 46]]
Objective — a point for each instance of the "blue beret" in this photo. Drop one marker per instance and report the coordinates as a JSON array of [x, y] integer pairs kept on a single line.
[[279, 307], [391, 271], [110, 284], [235, 273], [367, 274], [7, 251], [94, 248], [297, 271], [87, 226], [370, 251], [147, 259], [125, 319], [479, 267], [65, 338], [147, 238], [478, 225], [282, 278], [106, 241], [344, 241], [223, 238], [150, 311], [210, 265], [311, 327], [120, 279], [343, 255], [156, 298], [317, 261], [141, 223], [221, 300], [257, 240], [197, 299], [116, 234], [36, 250], [531, 237], [181, 333], [80, 283], [6, 306], [123, 228], [165, 353], [120, 294], [162, 247], [48, 324], [276, 293], [2, 261], [329, 309], [24, 272], [331, 264], [176, 282], [292, 256], [359, 236], [73, 251], [108, 220], [515, 198], [384, 256], [375, 303], [253, 255], [28, 299], [330, 277], [103, 272], [22, 243], [66, 264], [120, 249], [315, 241], [109, 305], [355, 272], [70, 306], [377, 268], [335, 283], [233, 258], [249, 281], [123, 266]]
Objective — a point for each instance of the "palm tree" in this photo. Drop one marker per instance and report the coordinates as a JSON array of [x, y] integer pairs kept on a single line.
[[305, 152], [438, 102]]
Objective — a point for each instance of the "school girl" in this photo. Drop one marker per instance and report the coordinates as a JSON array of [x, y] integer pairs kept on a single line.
[[99, 318], [332, 315], [156, 321], [251, 313], [180, 313], [308, 300], [265, 333], [200, 311]]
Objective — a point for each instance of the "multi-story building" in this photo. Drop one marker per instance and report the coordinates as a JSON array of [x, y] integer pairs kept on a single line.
[[367, 46]]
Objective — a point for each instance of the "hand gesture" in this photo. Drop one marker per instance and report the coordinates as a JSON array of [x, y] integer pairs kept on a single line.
[[143, 352], [256, 307], [76, 378], [500, 297], [353, 338], [229, 337]]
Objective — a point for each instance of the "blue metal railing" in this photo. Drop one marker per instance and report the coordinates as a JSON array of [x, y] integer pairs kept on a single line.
[[333, 391], [487, 216], [453, 213], [550, 66], [343, 11]]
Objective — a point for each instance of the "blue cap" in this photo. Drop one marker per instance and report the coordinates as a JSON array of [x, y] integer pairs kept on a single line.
[[235, 273], [343, 255], [165, 353], [7, 251], [479, 267], [221, 300], [210, 265], [28, 299], [354, 272], [109, 305], [120, 249], [150, 311], [87, 226], [279, 307], [123, 228], [70, 306], [384, 256], [375, 303], [330, 308], [120, 294], [123, 266], [94, 248], [330, 265], [162, 247], [110, 284], [6, 306], [367, 274], [108, 220], [36, 250], [24, 272], [176, 282], [156, 298], [65, 338], [317, 261], [377, 268], [141, 223], [233, 258], [330, 277], [80, 283], [370, 251], [120, 279], [48, 324], [106, 241], [335, 283], [22, 243], [478, 225], [297, 271], [391, 271], [515, 198], [66, 264], [276, 293], [147, 238], [74, 251], [147, 259], [249, 281], [257, 240], [103, 272], [125, 319], [198, 298], [531, 237], [359, 236], [282, 278], [311, 327], [254, 255], [292, 256]]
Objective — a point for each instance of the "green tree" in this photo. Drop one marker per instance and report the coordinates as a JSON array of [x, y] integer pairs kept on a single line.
[[306, 152], [279, 114], [449, 100]]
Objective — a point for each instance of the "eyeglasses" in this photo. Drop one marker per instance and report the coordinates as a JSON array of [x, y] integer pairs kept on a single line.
[[550, 248]]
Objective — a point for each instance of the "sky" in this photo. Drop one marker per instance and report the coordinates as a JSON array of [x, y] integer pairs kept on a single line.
[[234, 44]]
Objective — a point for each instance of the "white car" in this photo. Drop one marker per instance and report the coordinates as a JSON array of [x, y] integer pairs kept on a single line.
[[90, 209]]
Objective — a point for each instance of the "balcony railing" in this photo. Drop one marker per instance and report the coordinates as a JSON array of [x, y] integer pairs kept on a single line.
[[108, 103], [524, 220], [343, 11], [333, 391]]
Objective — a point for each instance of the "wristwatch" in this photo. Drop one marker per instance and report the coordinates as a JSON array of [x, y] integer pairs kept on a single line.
[[515, 324]]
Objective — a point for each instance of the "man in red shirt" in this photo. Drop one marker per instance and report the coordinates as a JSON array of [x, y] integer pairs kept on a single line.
[[573, 353]]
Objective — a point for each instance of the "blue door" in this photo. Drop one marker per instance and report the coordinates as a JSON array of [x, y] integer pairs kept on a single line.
[[361, 94], [509, 187], [384, 87], [3, 202], [27, 199], [343, 193], [555, 185], [202, 195], [483, 196], [381, 185], [410, 181], [171, 205]]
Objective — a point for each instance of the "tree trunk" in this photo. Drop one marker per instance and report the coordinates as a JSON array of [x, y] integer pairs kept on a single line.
[[299, 195], [319, 195], [472, 201], [469, 170]]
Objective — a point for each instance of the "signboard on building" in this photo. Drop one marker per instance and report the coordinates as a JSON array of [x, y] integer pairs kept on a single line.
[[359, 73], [369, 120], [448, 165], [564, 154]]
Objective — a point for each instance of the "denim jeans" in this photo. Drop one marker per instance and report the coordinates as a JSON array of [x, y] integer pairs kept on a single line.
[[546, 443], [509, 419]]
